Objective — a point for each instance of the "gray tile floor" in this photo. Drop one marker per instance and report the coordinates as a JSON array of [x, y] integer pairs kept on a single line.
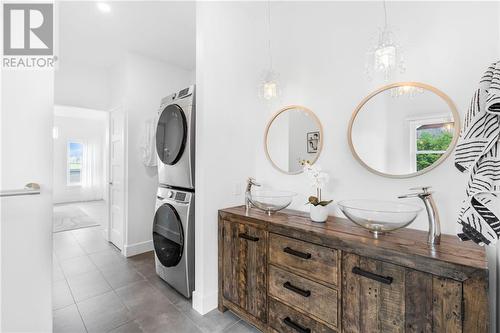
[[96, 289]]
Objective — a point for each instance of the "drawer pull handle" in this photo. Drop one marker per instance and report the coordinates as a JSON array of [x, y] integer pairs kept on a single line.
[[373, 276], [288, 322], [248, 237], [289, 286], [297, 253]]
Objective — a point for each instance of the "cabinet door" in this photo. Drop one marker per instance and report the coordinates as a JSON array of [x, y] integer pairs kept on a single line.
[[244, 268], [382, 297]]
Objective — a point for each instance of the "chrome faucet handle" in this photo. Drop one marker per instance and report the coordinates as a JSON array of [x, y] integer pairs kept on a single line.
[[251, 181], [424, 189]]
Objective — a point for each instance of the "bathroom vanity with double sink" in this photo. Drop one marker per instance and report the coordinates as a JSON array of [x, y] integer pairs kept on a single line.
[[284, 273]]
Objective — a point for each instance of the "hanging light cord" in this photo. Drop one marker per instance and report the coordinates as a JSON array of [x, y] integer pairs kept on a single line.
[[269, 35], [385, 14]]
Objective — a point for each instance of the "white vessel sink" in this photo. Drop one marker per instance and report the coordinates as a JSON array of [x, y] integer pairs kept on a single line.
[[271, 201], [379, 216]]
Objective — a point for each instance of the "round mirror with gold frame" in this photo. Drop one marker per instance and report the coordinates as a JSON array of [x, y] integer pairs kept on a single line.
[[404, 129], [293, 135]]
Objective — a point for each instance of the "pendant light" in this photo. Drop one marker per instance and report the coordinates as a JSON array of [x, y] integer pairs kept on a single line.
[[409, 91], [269, 87], [385, 57]]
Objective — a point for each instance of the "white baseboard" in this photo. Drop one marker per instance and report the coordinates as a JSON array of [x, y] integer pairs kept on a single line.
[[204, 303], [137, 248]]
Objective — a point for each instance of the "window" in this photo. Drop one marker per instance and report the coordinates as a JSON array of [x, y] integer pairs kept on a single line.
[[75, 159], [432, 141]]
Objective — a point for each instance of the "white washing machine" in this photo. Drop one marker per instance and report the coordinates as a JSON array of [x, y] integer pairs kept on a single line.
[[173, 238], [175, 139]]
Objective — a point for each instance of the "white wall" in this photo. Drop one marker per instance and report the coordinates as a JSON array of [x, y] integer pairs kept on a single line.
[[334, 83], [227, 76], [319, 50], [82, 85], [90, 130], [26, 222], [141, 83]]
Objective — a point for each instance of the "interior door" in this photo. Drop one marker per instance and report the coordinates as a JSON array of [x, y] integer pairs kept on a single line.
[[26, 218], [117, 190]]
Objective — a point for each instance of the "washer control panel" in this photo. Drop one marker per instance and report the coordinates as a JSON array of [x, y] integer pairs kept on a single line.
[[173, 195], [180, 196]]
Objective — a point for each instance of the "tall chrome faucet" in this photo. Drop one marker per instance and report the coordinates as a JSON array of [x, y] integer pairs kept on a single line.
[[434, 237], [248, 204]]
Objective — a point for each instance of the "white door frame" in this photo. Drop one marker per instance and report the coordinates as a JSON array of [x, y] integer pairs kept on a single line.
[[75, 112], [125, 176]]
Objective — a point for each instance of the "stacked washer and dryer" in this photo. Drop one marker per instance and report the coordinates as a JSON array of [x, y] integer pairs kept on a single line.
[[173, 225]]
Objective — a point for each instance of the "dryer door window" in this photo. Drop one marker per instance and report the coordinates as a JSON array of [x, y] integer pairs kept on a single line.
[[168, 236], [171, 134]]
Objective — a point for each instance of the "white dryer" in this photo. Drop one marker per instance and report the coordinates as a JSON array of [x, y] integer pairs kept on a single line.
[[173, 238], [175, 139]]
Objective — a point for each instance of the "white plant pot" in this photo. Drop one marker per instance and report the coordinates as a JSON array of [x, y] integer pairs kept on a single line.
[[319, 213]]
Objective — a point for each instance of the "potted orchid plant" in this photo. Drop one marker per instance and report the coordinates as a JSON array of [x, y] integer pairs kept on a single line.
[[319, 179]]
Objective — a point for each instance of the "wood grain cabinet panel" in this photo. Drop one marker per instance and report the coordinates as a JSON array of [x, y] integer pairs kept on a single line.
[[475, 294], [382, 297], [244, 268], [314, 261], [285, 319], [316, 299]]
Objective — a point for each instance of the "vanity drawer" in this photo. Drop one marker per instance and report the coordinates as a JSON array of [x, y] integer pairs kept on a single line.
[[284, 319], [315, 261], [313, 298]]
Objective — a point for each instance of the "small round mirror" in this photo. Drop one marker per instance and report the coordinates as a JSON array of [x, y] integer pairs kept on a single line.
[[404, 129], [293, 135]]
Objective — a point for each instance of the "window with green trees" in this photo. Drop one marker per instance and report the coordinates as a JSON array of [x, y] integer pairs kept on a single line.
[[432, 142]]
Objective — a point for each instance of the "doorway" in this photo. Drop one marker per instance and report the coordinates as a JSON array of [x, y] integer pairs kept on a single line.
[[79, 168]]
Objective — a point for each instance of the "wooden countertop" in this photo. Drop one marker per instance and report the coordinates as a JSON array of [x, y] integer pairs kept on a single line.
[[408, 247]]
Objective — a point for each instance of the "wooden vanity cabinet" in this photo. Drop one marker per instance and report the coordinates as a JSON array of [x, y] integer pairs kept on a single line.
[[243, 266], [285, 274]]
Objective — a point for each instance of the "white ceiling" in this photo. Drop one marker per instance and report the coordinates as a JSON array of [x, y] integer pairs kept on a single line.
[[161, 30]]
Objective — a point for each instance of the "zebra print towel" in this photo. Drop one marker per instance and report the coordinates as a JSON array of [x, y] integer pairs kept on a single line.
[[477, 153]]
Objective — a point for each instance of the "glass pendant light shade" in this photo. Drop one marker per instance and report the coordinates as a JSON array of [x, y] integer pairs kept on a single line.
[[269, 88], [409, 91], [385, 57]]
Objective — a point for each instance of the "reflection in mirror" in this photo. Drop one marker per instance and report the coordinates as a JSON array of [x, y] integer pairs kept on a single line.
[[404, 129], [293, 136]]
